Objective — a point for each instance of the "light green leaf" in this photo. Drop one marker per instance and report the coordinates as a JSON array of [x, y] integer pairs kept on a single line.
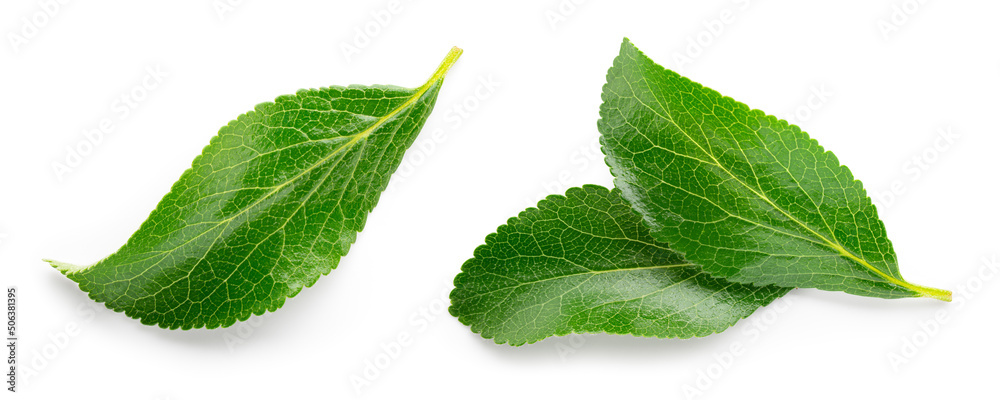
[[585, 263], [747, 196], [273, 202]]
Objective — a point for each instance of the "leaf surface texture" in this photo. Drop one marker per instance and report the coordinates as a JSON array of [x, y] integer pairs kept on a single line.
[[747, 196], [584, 262], [272, 203]]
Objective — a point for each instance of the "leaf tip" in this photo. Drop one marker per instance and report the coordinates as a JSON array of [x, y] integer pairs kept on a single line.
[[65, 268]]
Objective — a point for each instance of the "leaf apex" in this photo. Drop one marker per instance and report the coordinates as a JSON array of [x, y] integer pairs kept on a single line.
[[66, 268]]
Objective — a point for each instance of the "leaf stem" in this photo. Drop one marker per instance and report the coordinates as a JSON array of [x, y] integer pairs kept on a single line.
[[923, 291], [934, 293], [446, 64]]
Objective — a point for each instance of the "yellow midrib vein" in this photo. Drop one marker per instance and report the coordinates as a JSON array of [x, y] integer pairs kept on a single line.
[[830, 243], [438, 76], [922, 290]]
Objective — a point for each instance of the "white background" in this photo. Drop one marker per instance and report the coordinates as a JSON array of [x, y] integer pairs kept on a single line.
[[889, 91]]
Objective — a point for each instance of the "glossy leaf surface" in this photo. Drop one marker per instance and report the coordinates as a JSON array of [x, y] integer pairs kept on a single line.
[[585, 263], [747, 196], [272, 203]]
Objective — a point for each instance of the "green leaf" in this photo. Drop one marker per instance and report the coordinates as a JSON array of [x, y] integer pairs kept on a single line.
[[273, 202], [749, 197], [585, 263]]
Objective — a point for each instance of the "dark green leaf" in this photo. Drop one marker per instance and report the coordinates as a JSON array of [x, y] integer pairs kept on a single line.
[[585, 263], [747, 196], [273, 202]]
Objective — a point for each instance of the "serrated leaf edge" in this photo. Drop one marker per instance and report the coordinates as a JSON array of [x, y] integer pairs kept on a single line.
[[68, 269], [919, 290], [472, 262]]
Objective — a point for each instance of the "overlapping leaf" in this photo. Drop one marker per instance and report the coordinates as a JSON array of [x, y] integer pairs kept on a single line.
[[271, 204], [747, 196], [585, 263]]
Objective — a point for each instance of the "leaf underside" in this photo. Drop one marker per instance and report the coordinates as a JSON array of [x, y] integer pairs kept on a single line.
[[272, 203], [585, 263], [747, 196]]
